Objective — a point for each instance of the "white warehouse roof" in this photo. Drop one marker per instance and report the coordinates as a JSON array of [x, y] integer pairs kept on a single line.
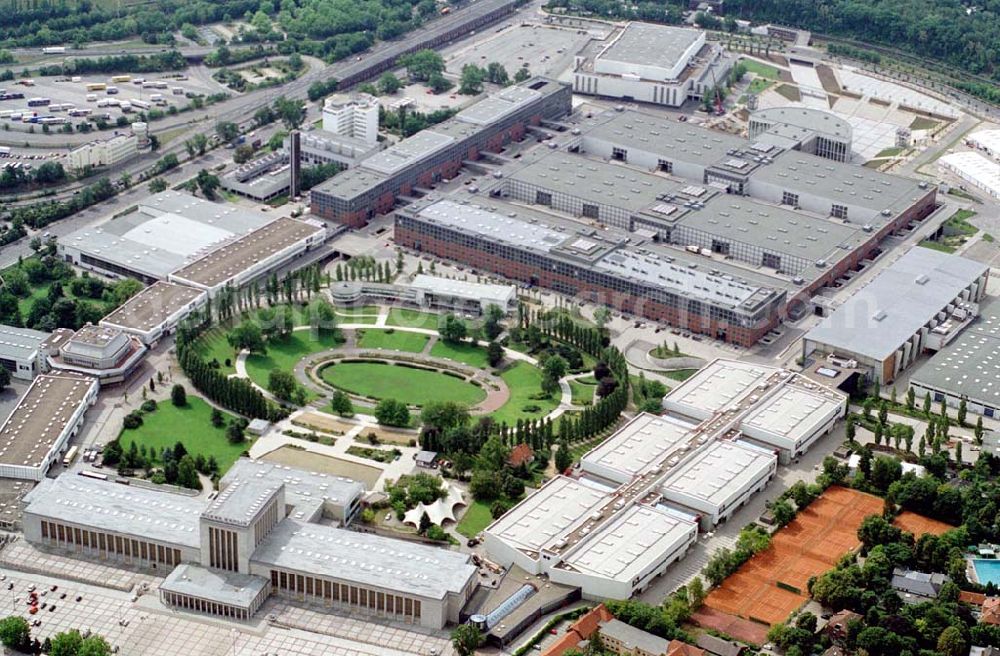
[[976, 168], [719, 473], [637, 446], [634, 540]]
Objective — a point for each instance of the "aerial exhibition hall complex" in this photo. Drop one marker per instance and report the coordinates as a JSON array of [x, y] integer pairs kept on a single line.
[[497, 327]]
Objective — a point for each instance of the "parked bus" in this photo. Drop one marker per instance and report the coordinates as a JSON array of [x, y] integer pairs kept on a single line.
[[11, 95], [121, 78], [38, 102], [68, 458], [140, 104], [111, 91], [80, 112], [54, 50], [92, 474], [97, 86]]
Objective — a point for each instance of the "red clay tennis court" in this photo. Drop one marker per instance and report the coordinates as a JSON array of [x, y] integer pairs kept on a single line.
[[772, 584], [918, 524]]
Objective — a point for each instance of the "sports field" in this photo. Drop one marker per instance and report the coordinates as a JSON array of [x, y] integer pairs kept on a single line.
[[772, 584], [414, 386], [918, 524]]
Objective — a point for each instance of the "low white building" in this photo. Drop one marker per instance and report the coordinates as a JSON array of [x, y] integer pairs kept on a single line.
[[428, 292], [22, 351], [974, 169], [156, 311], [108, 152], [572, 531], [639, 447], [794, 416], [720, 479], [36, 433], [987, 141], [635, 504]]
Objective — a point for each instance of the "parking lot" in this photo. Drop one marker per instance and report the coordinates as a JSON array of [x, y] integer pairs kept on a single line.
[[546, 50], [67, 94]]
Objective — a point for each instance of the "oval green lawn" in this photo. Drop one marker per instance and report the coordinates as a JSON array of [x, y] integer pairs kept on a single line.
[[413, 386]]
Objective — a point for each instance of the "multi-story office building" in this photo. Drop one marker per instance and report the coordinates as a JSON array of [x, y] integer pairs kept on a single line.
[[355, 117], [371, 188]]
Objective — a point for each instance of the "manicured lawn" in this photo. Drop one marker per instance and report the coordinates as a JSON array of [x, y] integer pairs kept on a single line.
[[412, 318], [582, 394], [476, 518], [923, 123], [213, 346], [936, 246], [680, 374], [586, 380], [890, 152], [760, 68], [524, 381], [759, 85], [414, 386], [371, 338], [191, 425], [789, 92], [366, 314], [285, 353], [466, 353]]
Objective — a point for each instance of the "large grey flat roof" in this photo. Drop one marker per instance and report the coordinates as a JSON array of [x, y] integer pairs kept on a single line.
[[370, 560], [651, 45], [878, 318], [152, 306], [776, 229], [20, 343], [229, 588], [496, 106], [807, 118], [674, 140], [168, 230], [597, 181], [671, 268], [970, 365], [841, 182], [400, 155], [41, 416], [129, 509]]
